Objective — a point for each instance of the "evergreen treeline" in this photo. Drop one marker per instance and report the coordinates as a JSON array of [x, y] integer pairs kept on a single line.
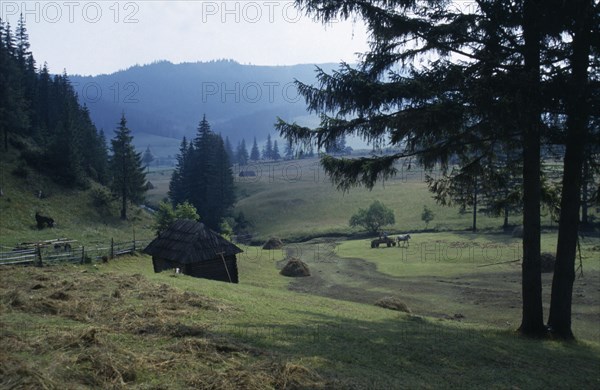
[[44, 108], [203, 176], [270, 151]]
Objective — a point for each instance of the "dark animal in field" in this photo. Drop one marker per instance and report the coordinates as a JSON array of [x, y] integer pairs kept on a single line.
[[43, 222], [403, 238], [383, 240]]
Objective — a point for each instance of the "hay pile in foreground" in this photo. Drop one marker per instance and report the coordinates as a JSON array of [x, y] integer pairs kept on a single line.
[[392, 303], [273, 243], [76, 327], [295, 268]]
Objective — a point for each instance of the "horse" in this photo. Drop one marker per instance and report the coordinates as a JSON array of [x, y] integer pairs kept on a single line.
[[403, 238]]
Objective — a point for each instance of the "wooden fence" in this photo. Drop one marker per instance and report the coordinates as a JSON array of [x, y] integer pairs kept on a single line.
[[41, 253]]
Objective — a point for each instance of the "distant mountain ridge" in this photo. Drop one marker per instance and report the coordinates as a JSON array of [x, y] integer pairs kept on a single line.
[[168, 100]]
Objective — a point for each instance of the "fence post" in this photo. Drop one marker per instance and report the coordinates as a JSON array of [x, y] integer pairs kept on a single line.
[[112, 248], [82, 254], [38, 253]]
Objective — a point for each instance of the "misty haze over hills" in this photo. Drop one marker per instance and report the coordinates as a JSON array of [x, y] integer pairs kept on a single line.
[[168, 100]]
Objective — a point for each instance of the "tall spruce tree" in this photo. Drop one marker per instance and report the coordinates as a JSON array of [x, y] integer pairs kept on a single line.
[[229, 150], [268, 150], [579, 21], [241, 155], [254, 153], [203, 176], [178, 184], [14, 115], [126, 168], [147, 158], [276, 154], [22, 43]]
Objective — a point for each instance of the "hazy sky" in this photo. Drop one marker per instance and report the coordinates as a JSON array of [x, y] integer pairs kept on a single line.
[[93, 37]]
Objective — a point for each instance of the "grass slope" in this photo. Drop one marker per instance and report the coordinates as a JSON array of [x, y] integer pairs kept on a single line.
[[120, 325], [295, 200], [72, 209]]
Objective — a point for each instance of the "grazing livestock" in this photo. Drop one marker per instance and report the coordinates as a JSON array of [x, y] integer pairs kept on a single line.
[[404, 239], [42, 221]]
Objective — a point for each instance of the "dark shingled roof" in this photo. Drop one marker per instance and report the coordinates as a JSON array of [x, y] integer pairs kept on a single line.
[[188, 242]]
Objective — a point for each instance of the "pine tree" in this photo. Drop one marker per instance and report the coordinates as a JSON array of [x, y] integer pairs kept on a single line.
[[276, 155], [579, 20], [14, 115], [63, 156], [221, 195], [289, 150], [147, 158], [229, 150], [128, 178], [22, 43], [101, 158], [206, 180], [9, 41], [268, 151], [242, 153], [254, 153], [177, 186]]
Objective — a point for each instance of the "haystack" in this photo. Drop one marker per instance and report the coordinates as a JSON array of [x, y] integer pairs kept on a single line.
[[392, 303], [295, 268], [518, 232], [547, 260], [273, 243]]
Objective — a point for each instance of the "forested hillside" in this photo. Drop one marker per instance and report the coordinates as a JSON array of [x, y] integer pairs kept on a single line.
[[40, 116]]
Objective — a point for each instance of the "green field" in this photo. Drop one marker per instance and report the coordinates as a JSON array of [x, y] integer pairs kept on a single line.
[[295, 200], [120, 325]]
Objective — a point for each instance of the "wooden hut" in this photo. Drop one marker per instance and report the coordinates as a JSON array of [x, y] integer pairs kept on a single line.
[[196, 250]]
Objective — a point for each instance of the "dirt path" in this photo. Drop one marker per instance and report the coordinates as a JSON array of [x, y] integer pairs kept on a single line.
[[492, 298]]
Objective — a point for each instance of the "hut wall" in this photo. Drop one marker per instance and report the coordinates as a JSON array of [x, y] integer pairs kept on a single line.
[[162, 265], [214, 269]]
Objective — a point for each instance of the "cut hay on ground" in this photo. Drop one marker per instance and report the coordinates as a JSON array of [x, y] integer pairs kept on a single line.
[[392, 303], [273, 243], [295, 268], [115, 331]]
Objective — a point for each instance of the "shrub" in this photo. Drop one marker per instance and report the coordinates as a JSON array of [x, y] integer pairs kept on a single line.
[[166, 215], [21, 171], [101, 199], [373, 218], [427, 216]]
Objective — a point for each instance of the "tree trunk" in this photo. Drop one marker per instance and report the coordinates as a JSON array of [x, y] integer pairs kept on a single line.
[[474, 228], [584, 192], [124, 205], [559, 320], [505, 225], [532, 323]]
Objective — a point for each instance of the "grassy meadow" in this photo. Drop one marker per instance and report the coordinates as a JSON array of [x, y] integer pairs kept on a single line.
[[120, 325], [295, 200]]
